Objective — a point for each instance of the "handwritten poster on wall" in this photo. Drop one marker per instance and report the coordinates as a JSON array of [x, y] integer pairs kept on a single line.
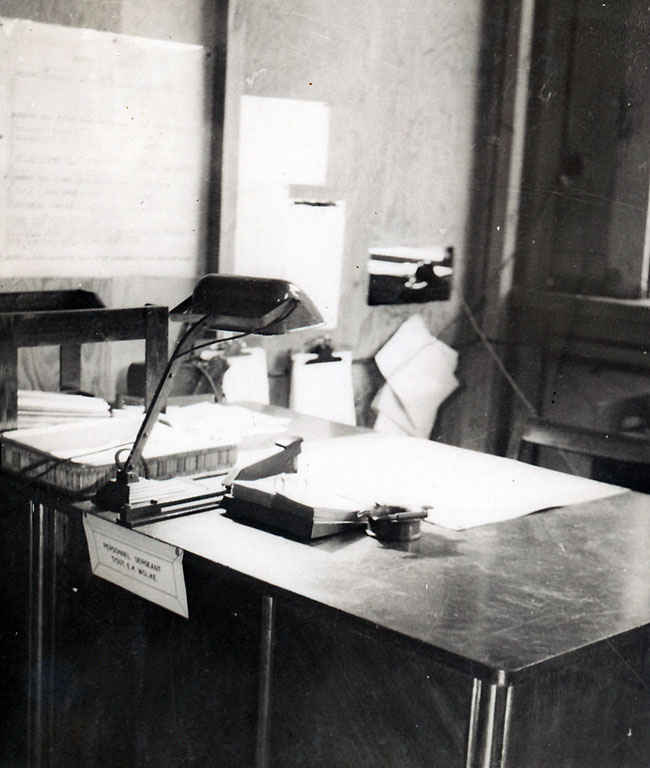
[[103, 152]]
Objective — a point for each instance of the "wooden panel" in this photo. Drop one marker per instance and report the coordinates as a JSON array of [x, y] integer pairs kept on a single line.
[[544, 139], [70, 366], [8, 374], [541, 185], [47, 301], [13, 629], [79, 325], [156, 350], [585, 192], [634, 448], [566, 317], [601, 205]]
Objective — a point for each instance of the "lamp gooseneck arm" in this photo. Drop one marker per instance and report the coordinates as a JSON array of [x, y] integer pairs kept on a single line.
[[160, 395]]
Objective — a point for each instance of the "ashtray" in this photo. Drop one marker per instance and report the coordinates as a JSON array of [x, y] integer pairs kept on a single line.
[[391, 523]]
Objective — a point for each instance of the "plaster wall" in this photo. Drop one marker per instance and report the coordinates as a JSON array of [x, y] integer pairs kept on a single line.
[[401, 81]]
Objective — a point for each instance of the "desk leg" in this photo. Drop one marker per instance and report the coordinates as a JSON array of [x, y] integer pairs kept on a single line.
[[265, 671], [489, 724], [41, 641]]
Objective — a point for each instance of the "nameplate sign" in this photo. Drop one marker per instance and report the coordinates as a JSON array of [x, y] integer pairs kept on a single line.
[[133, 561]]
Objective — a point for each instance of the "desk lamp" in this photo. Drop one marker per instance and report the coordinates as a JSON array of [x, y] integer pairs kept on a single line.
[[249, 305]]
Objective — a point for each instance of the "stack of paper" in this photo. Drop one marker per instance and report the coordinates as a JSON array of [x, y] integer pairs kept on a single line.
[[40, 409], [95, 441], [213, 421]]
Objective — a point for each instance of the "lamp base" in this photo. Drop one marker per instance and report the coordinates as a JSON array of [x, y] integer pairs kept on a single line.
[[141, 501], [114, 495], [138, 501]]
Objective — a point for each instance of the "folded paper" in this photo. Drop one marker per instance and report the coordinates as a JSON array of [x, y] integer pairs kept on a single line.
[[419, 372]]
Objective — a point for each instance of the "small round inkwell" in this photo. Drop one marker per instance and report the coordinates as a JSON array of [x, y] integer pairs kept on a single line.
[[387, 522]]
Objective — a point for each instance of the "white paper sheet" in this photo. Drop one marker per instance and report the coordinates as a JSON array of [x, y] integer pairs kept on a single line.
[[209, 420], [262, 233], [323, 389], [391, 416], [147, 567], [314, 258], [463, 488], [183, 428], [95, 441], [411, 337], [288, 239], [38, 401]]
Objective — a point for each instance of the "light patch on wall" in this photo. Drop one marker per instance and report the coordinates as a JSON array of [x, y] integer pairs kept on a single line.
[[284, 142]]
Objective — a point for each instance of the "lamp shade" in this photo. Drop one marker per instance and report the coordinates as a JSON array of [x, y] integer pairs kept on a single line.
[[255, 304]]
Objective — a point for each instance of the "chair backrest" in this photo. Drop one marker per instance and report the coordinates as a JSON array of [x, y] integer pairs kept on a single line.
[[617, 446]]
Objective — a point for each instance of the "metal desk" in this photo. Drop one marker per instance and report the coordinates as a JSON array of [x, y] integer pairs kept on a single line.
[[533, 630]]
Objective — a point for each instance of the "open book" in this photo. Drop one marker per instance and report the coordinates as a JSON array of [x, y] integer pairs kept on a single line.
[[286, 503]]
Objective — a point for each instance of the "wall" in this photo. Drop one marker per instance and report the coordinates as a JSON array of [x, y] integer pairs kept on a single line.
[[186, 21], [414, 123], [401, 80]]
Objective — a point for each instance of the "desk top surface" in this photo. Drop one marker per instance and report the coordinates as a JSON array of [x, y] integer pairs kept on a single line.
[[502, 597]]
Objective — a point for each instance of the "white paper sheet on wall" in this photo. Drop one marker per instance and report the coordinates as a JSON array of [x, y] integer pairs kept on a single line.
[[103, 150], [284, 142], [262, 227], [315, 253], [323, 389]]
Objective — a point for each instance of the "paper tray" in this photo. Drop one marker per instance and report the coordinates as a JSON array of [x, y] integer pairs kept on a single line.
[[286, 522], [31, 454]]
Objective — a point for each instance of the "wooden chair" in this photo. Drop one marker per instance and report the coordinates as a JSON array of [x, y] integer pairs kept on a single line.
[[68, 319], [619, 457]]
